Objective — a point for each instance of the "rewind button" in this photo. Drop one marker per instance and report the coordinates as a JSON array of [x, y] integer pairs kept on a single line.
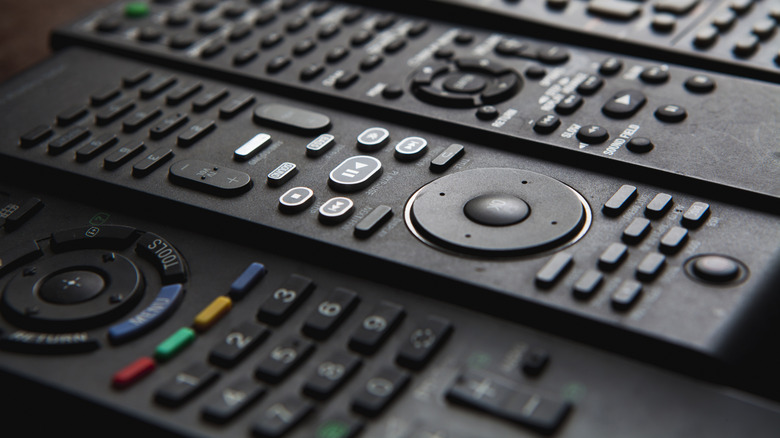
[[336, 210], [592, 134]]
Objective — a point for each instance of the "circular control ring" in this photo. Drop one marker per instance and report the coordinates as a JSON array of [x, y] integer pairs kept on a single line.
[[122, 286], [558, 214], [465, 83]]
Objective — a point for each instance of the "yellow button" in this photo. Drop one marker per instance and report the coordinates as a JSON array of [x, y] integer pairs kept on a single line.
[[212, 313]]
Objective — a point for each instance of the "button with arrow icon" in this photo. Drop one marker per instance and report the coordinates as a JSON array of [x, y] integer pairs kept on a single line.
[[624, 104], [336, 210], [372, 139], [592, 134], [355, 173], [410, 148]]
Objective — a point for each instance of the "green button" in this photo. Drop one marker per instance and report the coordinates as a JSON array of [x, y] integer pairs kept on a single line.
[[333, 429], [174, 344], [137, 9]]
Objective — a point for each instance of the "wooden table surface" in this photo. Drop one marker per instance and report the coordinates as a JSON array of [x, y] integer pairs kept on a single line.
[[25, 26]]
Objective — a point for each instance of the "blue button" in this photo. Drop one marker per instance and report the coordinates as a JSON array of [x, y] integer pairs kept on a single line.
[[161, 308], [246, 280]]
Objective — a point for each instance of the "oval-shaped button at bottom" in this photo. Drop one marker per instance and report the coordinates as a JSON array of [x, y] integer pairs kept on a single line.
[[209, 178]]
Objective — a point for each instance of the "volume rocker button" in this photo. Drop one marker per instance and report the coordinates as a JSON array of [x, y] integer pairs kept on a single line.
[[209, 178]]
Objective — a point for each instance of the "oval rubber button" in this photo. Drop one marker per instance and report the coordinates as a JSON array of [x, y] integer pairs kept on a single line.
[[209, 178], [292, 118]]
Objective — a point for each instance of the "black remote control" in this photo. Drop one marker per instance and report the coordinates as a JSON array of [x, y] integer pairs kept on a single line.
[[321, 219], [547, 99], [732, 36]]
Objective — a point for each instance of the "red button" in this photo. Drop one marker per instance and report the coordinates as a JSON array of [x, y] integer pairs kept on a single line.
[[133, 372]]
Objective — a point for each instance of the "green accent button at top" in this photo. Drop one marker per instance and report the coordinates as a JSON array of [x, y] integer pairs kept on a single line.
[[137, 9]]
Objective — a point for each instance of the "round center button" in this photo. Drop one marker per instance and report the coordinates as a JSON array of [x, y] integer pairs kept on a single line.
[[467, 83], [72, 287], [496, 209]]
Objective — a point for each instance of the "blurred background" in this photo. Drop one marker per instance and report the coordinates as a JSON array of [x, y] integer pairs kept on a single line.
[[25, 27]]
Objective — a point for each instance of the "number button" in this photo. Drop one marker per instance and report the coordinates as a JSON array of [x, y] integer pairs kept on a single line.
[[330, 313], [379, 391], [285, 295], [423, 342], [376, 327], [232, 400], [283, 301], [280, 417], [238, 344], [283, 359], [186, 384], [330, 374]]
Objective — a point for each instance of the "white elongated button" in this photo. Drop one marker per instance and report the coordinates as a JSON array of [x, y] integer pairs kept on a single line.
[[252, 147]]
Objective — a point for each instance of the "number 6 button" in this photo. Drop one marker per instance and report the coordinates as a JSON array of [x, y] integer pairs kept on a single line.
[[330, 313]]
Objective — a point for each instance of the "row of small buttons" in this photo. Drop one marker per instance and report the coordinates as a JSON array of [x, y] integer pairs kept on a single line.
[[346, 78], [119, 107], [669, 12], [761, 31], [621, 105], [241, 29], [693, 217], [648, 269]]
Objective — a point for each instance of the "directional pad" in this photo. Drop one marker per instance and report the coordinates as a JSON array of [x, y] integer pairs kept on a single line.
[[73, 290], [497, 212], [465, 83]]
